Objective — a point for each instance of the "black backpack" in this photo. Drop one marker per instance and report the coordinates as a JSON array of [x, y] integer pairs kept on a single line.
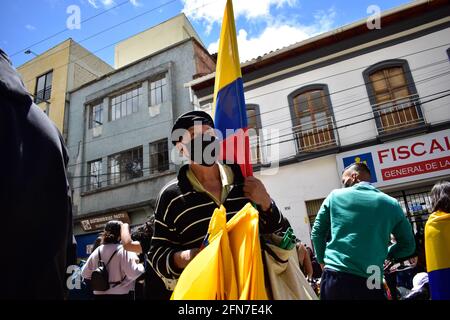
[[100, 277]]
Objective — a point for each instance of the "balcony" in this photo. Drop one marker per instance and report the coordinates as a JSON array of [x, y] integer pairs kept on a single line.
[[314, 136], [398, 114]]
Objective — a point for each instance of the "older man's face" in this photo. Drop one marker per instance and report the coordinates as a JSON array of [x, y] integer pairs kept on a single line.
[[349, 178], [196, 130], [206, 149]]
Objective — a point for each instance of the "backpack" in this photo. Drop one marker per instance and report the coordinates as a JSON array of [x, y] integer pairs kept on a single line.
[[100, 276]]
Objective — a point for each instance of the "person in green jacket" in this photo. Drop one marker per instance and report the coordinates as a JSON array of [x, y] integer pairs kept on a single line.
[[351, 237]]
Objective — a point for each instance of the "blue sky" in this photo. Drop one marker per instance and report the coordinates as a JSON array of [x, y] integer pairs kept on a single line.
[[262, 25]]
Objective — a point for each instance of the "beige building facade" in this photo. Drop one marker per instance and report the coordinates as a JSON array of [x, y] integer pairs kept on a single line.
[[50, 75], [153, 40]]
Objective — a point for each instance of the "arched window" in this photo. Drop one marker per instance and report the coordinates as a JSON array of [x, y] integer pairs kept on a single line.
[[312, 118], [254, 123], [393, 96]]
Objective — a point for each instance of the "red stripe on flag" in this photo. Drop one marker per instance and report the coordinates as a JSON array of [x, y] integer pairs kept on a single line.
[[236, 149]]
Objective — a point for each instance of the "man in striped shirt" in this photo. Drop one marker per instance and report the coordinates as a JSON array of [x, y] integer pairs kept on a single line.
[[185, 206]]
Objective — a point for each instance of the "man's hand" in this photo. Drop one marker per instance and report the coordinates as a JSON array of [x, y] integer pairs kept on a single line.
[[254, 190], [182, 258]]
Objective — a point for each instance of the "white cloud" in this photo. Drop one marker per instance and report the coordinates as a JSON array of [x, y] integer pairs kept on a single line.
[[135, 3], [30, 27], [210, 11], [93, 3], [279, 34], [105, 3]]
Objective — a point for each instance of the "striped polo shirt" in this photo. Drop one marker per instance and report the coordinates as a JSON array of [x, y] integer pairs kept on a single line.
[[182, 217]]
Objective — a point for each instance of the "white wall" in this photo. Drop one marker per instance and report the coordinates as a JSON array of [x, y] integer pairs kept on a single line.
[[296, 183], [314, 179], [348, 93]]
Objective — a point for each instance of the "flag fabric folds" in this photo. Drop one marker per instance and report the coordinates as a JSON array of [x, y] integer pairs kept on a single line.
[[230, 267], [437, 251], [230, 113]]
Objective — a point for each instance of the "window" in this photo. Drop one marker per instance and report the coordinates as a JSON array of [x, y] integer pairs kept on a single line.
[[312, 208], [95, 173], [254, 122], [43, 87], [312, 118], [125, 166], [125, 103], [159, 156], [158, 93], [393, 96], [96, 116]]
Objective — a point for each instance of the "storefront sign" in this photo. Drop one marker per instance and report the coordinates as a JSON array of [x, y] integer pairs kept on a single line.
[[99, 222], [417, 158]]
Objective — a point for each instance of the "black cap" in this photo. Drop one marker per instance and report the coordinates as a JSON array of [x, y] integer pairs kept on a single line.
[[188, 120]]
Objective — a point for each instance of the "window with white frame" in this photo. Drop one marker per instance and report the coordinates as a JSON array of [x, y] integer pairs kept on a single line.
[[96, 115], [159, 156], [95, 173], [125, 103], [158, 90], [126, 165]]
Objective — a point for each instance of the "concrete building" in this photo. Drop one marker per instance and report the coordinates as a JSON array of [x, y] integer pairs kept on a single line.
[[154, 39], [119, 130], [50, 75], [352, 94]]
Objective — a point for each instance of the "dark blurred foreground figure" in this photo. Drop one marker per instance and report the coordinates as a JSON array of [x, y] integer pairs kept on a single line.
[[35, 204]]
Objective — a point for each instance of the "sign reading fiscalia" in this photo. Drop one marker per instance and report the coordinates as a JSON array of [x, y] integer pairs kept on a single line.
[[421, 157]]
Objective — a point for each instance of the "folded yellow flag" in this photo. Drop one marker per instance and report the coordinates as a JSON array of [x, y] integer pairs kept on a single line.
[[231, 266]]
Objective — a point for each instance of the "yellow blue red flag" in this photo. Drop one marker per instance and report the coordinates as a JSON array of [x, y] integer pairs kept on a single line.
[[230, 114], [437, 251], [230, 267]]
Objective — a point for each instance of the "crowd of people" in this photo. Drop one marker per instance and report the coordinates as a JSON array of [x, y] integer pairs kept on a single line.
[[351, 235], [358, 231]]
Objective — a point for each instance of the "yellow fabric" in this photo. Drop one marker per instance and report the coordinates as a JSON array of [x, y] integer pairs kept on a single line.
[[230, 267], [437, 241], [226, 176], [228, 67]]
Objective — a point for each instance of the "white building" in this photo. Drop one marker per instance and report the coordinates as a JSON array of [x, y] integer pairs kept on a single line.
[[352, 94]]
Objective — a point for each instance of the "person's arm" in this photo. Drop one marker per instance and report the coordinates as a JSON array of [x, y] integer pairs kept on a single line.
[[90, 265], [130, 265], [321, 229], [165, 243], [307, 264], [405, 243], [270, 216], [127, 243]]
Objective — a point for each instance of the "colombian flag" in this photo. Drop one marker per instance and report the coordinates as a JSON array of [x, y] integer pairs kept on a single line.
[[230, 116], [231, 266], [437, 250]]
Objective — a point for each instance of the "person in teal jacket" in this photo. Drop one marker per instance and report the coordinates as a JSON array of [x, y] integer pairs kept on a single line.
[[351, 237]]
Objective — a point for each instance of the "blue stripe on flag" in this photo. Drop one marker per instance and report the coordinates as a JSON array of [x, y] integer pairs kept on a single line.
[[230, 112], [439, 284]]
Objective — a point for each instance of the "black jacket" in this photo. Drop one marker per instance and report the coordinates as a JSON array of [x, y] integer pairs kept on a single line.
[[35, 204]]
